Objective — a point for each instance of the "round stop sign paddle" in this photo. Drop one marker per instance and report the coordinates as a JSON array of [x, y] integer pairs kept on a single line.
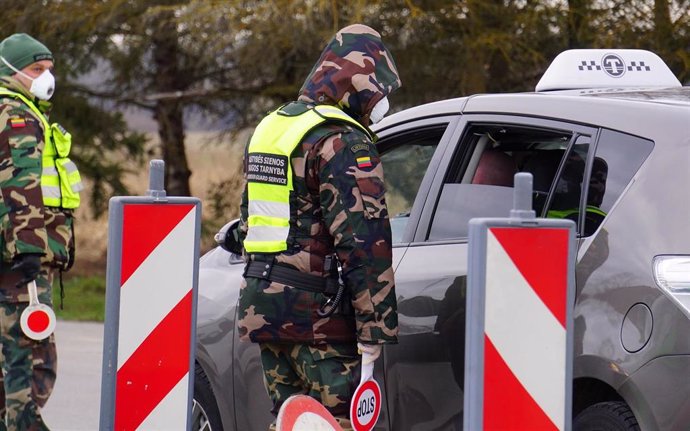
[[37, 320], [304, 413], [366, 402]]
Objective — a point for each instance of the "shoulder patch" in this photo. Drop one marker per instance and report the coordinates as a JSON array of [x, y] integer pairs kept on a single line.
[[363, 146], [17, 122], [364, 162]]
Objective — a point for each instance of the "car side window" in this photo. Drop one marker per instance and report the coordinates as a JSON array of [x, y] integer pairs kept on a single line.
[[405, 157], [479, 182], [617, 158]]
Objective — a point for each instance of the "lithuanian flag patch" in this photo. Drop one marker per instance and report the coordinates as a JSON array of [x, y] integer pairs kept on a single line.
[[364, 162], [17, 122]]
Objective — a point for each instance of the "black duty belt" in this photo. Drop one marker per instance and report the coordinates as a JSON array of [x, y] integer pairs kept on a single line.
[[292, 277]]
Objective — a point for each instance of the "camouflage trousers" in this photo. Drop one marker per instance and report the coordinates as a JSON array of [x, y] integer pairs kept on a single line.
[[329, 373], [28, 367]]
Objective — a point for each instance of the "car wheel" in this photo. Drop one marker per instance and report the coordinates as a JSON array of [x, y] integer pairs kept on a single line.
[[205, 415], [606, 416]]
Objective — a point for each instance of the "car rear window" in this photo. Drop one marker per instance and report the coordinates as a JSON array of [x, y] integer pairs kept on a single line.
[[616, 161]]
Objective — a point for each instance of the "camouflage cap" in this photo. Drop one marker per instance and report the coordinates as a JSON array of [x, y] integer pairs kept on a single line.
[[355, 71], [21, 50]]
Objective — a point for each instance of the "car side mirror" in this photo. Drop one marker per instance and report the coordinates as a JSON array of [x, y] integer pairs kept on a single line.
[[228, 237]]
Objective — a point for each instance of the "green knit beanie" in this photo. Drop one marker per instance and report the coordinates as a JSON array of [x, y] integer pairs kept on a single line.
[[21, 50]]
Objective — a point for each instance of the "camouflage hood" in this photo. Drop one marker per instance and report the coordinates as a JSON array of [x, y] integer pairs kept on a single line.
[[355, 71]]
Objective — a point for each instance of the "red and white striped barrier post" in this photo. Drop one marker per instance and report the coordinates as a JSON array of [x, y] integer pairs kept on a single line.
[[519, 327], [152, 273]]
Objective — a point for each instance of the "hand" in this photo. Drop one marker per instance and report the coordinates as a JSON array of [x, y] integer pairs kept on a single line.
[[29, 265], [369, 352]]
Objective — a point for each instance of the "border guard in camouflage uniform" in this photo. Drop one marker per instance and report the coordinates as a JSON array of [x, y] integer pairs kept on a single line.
[[314, 202], [40, 190]]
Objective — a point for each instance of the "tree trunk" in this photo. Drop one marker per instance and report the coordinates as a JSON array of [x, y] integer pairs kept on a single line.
[[663, 27], [169, 112], [171, 133], [580, 35], [489, 23]]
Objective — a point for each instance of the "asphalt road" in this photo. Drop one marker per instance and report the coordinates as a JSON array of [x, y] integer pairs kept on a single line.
[[75, 403]]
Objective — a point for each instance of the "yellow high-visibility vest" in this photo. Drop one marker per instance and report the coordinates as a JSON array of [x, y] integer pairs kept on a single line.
[[574, 211], [269, 173], [60, 179]]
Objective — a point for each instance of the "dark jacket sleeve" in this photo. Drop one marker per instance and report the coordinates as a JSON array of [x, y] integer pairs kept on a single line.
[[354, 208], [21, 146]]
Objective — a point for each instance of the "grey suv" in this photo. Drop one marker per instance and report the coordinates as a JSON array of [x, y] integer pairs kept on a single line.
[[607, 139]]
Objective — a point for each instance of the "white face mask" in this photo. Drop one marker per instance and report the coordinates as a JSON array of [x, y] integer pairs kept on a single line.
[[42, 86], [379, 110]]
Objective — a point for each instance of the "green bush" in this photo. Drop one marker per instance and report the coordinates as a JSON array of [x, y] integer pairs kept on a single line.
[[84, 299]]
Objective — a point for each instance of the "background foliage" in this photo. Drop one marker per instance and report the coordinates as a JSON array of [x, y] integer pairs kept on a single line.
[[220, 64], [228, 60]]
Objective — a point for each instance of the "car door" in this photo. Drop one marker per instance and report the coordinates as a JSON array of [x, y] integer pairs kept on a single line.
[[409, 151], [425, 371]]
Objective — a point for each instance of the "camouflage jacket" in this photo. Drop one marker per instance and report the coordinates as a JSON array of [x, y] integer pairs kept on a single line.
[[27, 226], [339, 206]]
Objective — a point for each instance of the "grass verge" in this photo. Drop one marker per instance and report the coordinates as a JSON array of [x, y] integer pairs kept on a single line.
[[84, 299]]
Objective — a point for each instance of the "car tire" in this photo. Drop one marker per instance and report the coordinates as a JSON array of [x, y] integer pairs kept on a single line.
[[205, 414], [606, 416]]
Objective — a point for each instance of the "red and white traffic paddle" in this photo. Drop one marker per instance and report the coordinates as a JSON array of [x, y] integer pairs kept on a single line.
[[304, 413], [366, 402], [37, 320]]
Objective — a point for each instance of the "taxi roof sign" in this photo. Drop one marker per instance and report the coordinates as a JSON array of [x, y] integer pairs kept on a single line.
[[606, 68]]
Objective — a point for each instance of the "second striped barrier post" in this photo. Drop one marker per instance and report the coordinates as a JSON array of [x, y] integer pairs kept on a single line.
[[520, 295]]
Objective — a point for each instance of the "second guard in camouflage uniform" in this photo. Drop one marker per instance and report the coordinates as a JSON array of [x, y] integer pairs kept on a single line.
[[314, 202], [40, 190]]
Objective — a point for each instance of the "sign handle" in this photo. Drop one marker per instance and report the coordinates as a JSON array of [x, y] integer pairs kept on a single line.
[[367, 372], [33, 293]]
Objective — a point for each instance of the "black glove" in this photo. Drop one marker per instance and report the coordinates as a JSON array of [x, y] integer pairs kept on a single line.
[[29, 265]]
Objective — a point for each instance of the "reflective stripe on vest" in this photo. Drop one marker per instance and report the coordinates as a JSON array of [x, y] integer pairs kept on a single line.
[[269, 173], [60, 179]]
